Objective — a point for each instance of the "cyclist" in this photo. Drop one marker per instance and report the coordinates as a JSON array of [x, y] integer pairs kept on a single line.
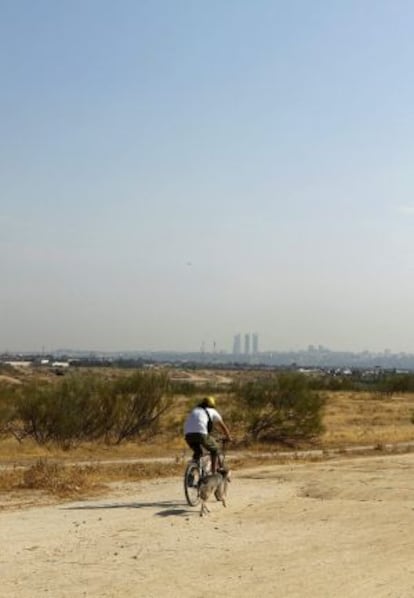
[[198, 427]]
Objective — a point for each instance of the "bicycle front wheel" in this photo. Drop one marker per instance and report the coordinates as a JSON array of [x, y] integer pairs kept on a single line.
[[191, 483]]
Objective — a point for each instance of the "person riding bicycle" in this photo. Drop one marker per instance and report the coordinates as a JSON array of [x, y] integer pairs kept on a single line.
[[198, 427]]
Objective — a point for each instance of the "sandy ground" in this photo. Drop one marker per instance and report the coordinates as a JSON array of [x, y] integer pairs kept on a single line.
[[343, 528]]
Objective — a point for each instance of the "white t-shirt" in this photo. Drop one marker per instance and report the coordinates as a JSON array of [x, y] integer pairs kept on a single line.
[[197, 421]]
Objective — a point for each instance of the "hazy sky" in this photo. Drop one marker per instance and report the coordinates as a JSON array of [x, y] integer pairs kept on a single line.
[[177, 171]]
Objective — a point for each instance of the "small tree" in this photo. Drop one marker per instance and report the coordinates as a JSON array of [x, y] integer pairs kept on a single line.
[[281, 408], [86, 407], [136, 403], [66, 412]]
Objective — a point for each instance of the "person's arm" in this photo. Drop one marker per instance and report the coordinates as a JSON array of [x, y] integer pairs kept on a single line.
[[224, 429]]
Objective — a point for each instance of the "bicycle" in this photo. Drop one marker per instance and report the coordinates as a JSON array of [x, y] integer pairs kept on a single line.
[[198, 469]]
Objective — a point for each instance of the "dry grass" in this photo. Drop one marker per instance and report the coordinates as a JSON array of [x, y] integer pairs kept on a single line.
[[66, 481], [357, 418], [51, 478]]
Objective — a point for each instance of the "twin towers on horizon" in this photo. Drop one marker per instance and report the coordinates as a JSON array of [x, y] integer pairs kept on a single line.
[[250, 344], [243, 344]]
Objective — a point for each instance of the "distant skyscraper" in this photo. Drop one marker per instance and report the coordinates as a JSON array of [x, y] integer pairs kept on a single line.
[[255, 343], [247, 344], [237, 344]]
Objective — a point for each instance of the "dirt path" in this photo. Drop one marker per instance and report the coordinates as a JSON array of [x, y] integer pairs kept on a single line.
[[343, 528]]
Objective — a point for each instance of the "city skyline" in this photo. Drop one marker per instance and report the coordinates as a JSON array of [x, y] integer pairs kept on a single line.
[[307, 360], [238, 347]]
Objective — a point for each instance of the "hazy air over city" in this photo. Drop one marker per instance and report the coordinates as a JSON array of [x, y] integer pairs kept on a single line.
[[174, 173]]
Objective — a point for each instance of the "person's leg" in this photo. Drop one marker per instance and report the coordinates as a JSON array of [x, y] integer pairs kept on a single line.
[[210, 444], [194, 442]]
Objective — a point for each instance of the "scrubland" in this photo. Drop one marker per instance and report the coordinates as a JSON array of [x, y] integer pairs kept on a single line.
[[365, 420]]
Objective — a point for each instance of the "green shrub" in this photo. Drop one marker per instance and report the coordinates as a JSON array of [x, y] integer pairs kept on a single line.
[[136, 403], [65, 412], [396, 383], [87, 407], [281, 408], [8, 397]]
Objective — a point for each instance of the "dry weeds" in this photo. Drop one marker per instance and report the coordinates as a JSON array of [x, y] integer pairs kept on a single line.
[[357, 418]]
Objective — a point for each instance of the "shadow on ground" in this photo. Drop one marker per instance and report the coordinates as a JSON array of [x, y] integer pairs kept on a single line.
[[169, 508]]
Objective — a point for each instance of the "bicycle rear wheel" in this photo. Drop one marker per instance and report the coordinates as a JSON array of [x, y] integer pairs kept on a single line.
[[191, 482]]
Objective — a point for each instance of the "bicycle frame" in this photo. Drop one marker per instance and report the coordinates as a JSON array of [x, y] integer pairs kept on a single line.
[[197, 469]]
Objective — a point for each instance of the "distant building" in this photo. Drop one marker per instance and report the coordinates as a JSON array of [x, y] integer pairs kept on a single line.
[[237, 344], [247, 343], [19, 364], [255, 343]]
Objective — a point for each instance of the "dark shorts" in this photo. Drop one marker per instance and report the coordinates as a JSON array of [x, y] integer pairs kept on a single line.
[[199, 441]]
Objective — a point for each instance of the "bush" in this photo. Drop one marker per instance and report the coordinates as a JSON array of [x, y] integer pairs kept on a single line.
[[281, 408], [136, 404], [85, 407], [8, 395], [397, 383], [65, 412], [56, 479]]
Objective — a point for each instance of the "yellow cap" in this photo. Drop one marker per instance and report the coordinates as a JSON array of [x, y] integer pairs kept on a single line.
[[210, 401]]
